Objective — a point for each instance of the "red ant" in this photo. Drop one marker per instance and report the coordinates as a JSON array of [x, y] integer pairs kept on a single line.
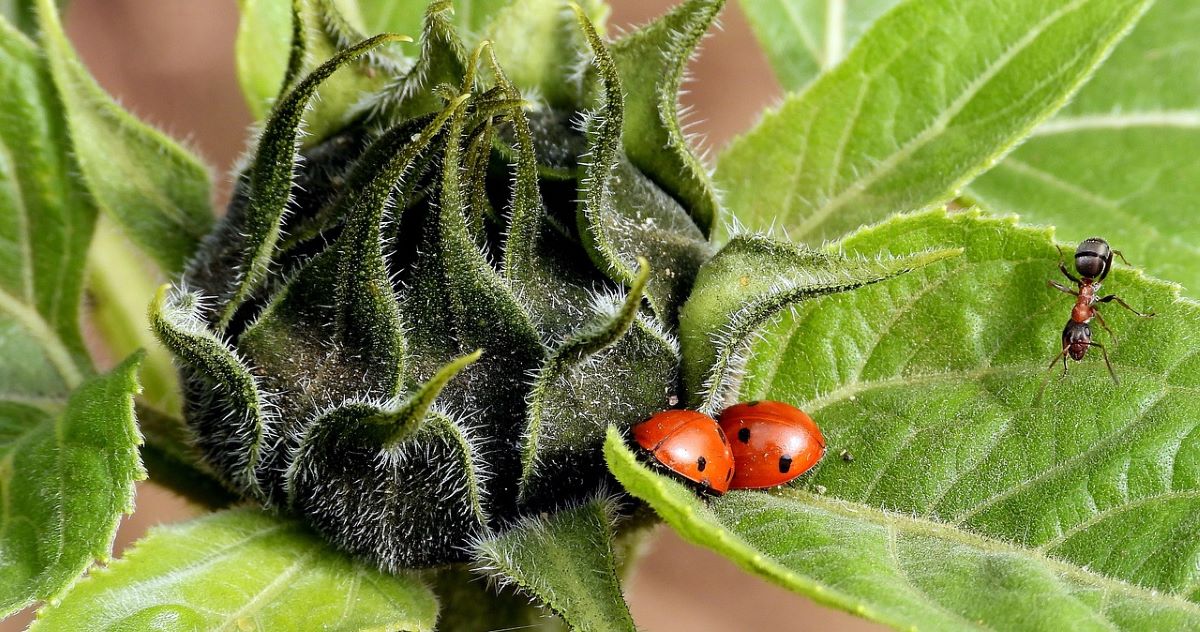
[[1093, 259]]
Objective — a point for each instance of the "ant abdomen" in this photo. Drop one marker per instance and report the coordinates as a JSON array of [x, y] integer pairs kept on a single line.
[[1093, 258]]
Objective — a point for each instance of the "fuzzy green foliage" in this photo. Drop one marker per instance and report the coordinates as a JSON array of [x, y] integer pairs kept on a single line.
[[912, 114], [964, 494], [89, 446], [319, 324], [242, 569], [456, 270]]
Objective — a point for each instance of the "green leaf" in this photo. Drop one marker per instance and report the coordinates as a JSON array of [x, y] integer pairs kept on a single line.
[[66, 478], [405, 17], [119, 280], [804, 38], [263, 47], [268, 49], [534, 39], [1119, 161], [750, 282], [23, 14], [651, 62], [46, 222], [241, 569], [894, 568], [937, 373], [936, 92], [962, 494], [565, 560], [154, 189]]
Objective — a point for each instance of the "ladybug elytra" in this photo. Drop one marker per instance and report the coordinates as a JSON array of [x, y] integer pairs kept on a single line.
[[772, 443], [691, 444]]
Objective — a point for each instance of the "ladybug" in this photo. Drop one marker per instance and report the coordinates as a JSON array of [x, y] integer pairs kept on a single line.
[[690, 444], [773, 443]]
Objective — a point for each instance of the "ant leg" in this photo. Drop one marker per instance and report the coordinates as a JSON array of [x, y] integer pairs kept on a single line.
[[1061, 288], [1114, 297], [1118, 253], [1063, 267], [1100, 319], [1046, 382], [1107, 362]]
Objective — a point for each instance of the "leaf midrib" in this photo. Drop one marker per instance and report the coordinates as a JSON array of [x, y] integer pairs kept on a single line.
[[22, 215], [272, 588], [1180, 119]]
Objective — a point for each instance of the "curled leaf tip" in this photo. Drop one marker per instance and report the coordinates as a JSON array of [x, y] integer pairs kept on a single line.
[[640, 278]]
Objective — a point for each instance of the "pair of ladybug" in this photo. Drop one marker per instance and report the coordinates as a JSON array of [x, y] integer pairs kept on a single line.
[[773, 443]]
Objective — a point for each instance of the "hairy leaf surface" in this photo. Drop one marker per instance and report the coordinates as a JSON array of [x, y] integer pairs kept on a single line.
[[895, 568], [929, 382], [237, 570], [269, 55], [66, 477], [748, 284], [931, 96], [652, 62], [46, 222], [804, 38], [566, 561], [156, 191], [1120, 160]]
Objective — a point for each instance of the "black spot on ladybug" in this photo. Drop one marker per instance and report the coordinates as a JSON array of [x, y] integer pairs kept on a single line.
[[744, 435], [753, 403], [700, 463], [785, 464]]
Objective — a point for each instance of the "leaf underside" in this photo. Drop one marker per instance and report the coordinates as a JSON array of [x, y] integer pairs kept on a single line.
[[1088, 499], [156, 191], [68, 444]]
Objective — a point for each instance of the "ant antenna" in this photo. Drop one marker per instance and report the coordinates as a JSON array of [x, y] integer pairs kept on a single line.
[[1118, 253]]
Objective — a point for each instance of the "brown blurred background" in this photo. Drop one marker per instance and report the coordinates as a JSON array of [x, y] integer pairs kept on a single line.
[[171, 63]]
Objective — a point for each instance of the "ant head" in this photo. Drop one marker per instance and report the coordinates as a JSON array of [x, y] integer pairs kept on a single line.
[[1093, 258], [1076, 339]]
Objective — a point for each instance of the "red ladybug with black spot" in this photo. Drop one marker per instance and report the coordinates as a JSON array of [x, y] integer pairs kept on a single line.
[[690, 444], [772, 443]]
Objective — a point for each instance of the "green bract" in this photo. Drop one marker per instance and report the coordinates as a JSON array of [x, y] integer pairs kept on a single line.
[[418, 329]]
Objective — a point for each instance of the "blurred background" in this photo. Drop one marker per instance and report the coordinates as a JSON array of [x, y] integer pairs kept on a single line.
[[171, 63]]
